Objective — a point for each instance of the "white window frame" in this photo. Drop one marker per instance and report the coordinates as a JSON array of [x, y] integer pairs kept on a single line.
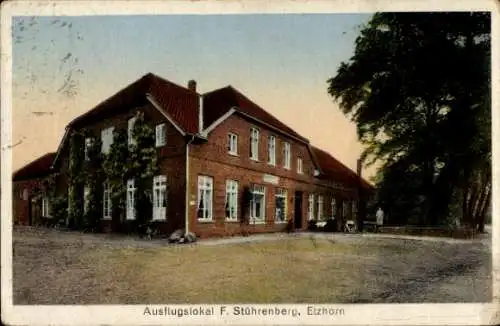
[[107, 139], [287, 155], [300, 168], [107, 208], [205, 198], [271, 150], [130, 133], [320, 211], [160, 135], [310, 207], [333, 207], [45, 206], [232, 143], [131, 198], [88, 144], [283, 194], [160, 198], [258, 190], [86, 194], [231, 200], [254, 144]]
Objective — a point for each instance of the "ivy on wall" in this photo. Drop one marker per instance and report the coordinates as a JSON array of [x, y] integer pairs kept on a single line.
[[93, 178], [76, 180]]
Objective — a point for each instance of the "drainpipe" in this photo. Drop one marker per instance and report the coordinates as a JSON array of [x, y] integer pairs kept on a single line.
[[186, 209]]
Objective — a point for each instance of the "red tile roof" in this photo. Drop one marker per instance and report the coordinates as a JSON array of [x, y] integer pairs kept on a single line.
[[180, 103], [35, 169], [333, 169], [216, 103]]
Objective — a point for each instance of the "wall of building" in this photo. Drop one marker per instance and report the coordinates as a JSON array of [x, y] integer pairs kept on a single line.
[[212, 159]]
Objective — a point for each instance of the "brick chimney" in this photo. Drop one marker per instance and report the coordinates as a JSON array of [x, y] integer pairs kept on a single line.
[[192, 85]]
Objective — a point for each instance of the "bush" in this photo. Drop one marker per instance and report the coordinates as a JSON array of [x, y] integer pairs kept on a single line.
[[311, 225], [330, 226]]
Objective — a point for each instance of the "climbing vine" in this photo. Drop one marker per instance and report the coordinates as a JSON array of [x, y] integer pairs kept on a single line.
[[75, 182], [143, 167], [93, 178], [116, 171]]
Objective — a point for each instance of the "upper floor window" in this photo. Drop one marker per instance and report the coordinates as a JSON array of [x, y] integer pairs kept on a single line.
[[107, 139], [271, 150], [299, 165], [131, 122], [287, 155], [232, 144], [88, 145], [254, 144], [161, 139], [205, 198]]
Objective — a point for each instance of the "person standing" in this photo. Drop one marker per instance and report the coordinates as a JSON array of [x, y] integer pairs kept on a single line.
[[380, 219]]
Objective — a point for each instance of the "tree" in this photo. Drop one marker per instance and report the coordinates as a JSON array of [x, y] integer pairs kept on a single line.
[[415, 79]]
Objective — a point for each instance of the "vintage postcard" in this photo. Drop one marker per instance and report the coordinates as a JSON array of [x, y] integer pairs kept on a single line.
[[250, 162]]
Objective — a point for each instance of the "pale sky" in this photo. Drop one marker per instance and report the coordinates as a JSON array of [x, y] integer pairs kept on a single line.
[[281, 62]]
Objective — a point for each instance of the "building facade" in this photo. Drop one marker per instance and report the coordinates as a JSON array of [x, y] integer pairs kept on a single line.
[[225, 165]]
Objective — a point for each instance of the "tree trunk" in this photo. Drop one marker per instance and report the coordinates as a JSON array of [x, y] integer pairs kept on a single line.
[[484, 208]]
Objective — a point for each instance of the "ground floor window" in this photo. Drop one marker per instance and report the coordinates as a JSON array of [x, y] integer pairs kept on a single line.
[[86, 195], [320, 208], [45, 207], [345, 212], [131, 193], [354, 208], [159, 197], [106, 202], [231, 207], [258, 204], [280, 205], [310, 207], [333, 208], [205, 198]]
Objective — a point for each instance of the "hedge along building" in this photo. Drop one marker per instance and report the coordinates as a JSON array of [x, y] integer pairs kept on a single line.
[[223, 164]]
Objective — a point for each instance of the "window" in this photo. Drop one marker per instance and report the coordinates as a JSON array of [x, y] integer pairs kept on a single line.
[[333, 206], [271, 150], [310, 207], [160, 135], [159, 198], [205, 198], [131, 189], [344, 209], [299, 165], [232, 144], [354, 209], [231, 200], [254, 144], [106, 202], [88, 145], [45, 207], [320, 208], [86, 195], [258, 204], [280, 204], [131, 122], [287, 156], [107, 139], [25, 194]]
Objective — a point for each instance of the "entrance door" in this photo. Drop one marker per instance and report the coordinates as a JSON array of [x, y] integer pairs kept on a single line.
[[298, 210]]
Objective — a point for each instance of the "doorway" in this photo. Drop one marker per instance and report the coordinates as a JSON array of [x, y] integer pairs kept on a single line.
[[297, 221]]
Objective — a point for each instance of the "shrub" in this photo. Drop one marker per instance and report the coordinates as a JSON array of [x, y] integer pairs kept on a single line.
[[330, 226], [311, 225]]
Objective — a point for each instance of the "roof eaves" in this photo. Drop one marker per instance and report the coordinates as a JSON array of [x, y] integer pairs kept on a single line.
[[157, 106]]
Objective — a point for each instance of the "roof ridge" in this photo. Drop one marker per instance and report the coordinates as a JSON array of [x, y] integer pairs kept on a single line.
[[164, 80]]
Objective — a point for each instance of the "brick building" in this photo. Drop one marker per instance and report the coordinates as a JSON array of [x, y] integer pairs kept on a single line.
[[222, 160]]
